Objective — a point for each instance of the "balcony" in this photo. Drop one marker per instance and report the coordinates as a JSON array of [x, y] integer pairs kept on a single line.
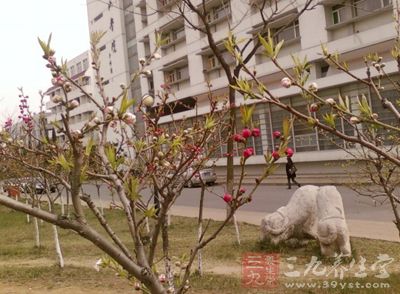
[[176, 72], [164, 5], [173, 33], [348, 13]]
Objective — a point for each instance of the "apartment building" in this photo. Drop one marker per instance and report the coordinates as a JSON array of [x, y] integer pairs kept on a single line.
[[80, 71], [118, 47], [350, 27]]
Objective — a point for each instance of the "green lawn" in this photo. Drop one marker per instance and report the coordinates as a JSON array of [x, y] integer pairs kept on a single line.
[[23, 266]]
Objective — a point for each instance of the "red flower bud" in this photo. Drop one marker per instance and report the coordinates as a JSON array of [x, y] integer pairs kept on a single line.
[[246, 133], [238, 138], [242, 191], [275, 155], [314, 107], [276, 134], [289, 152], [248, 152], [256, 132], [227, 197]]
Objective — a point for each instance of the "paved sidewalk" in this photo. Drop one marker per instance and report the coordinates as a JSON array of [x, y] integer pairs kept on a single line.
[[358, 228]]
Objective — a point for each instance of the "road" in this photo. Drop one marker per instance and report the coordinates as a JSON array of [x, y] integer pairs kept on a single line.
[[268, 198]]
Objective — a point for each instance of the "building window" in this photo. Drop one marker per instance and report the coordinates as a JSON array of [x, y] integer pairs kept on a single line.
[[174, 76], [338, 13], [177, 78], [79, 67], [98, 17], [72, 70], [212, 62], [292, 32], [364, 7], [219, 12], [175, 35], [85, 64]]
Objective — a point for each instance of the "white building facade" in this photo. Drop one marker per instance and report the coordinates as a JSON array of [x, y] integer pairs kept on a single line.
[[351, 27], [79, 70]]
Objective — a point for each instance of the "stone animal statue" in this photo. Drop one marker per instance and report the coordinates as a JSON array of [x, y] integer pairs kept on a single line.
[[332, 231], [298, 219]]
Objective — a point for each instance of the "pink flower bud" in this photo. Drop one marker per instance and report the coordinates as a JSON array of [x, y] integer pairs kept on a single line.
[[276, 134], [330, 101], [227, 197], [129, 118], [286, 82], [313, 87], [248, 152], [156, 56], [354, 120], [56, 99], [276, 155], [289, 151], [256, 132], [108, 109], [238, 138], [314, 107], [242, 191], [246, 133], [73, 104]]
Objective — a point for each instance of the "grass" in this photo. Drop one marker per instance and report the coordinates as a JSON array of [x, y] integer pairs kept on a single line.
[[23, 265]]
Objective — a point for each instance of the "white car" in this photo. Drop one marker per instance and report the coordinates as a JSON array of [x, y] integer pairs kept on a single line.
[[207, 175]]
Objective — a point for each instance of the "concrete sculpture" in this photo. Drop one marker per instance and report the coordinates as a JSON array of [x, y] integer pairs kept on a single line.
[[312, 212], [298, 219], [332, 231]]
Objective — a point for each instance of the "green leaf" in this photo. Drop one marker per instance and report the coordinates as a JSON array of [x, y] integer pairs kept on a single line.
[[278, 48], [150, 212], [131, 187], [269, 51], [343, 104], [125, 103], [84, 175], [286, 127], [365, 109], [63, 162], [89, 146], [139, 145], [247, 114], [111, 156], [210, 122], [329, 119]]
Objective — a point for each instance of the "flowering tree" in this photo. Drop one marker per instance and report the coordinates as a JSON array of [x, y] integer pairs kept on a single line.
[[373, 139], [158, 160], [245, 50]]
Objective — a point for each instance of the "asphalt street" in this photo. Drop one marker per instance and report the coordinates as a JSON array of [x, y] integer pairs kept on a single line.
[[268, 198]]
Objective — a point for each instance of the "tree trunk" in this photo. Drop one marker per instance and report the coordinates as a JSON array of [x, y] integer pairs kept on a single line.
[[236, 228], [58, 247], [37, 232], [200, 229], [28, 217], [169, 275], [99, 197]]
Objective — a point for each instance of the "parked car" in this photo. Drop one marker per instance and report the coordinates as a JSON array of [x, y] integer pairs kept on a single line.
[[37, 185], [26, 185], [207, 175]]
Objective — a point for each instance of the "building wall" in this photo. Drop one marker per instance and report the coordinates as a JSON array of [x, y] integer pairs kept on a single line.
[[186, 64], [79, 69]]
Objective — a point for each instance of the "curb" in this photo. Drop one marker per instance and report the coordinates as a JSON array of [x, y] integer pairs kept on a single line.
[[358, 228]]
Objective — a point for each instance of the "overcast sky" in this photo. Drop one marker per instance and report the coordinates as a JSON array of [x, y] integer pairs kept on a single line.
[[21, 22]]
